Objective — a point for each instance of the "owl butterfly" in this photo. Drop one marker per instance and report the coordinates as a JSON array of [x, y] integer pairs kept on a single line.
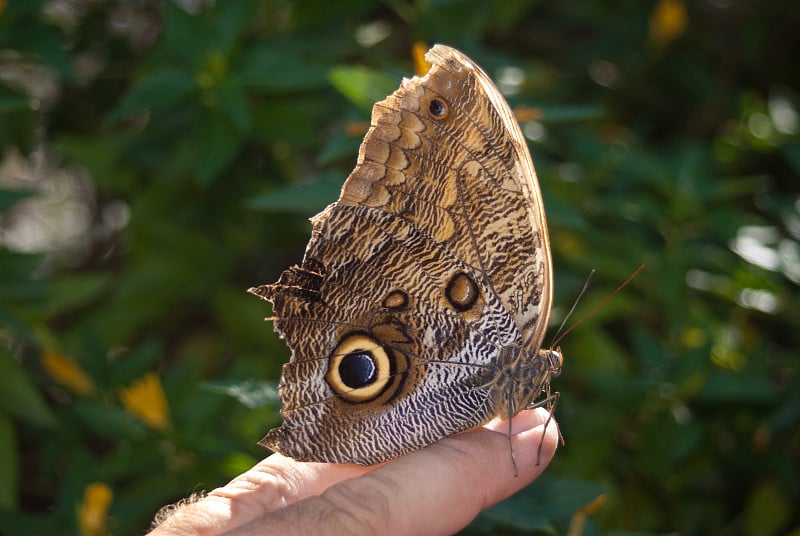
[[425, 291]]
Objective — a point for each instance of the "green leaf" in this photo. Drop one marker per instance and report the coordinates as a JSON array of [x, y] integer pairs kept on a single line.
[[277, 69], [235, 106], [110, 422], [185, 37], [294, 121], [536, 506], [46, 43], [729, 386], [101, 156], [20, 398], [157, 91], [70, 292], [231, 21], [9, 465], [17, 12], [362, 86], [238, 462], [339, 146], [215, 144], [301, 198], [131, 365], [15, 277]]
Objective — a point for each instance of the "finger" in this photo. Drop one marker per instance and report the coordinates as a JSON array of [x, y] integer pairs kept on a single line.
[[275, 482], [437, 490]]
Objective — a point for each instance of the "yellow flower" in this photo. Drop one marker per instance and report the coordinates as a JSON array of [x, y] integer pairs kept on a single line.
[[145, 398], [418, 53], [66, 371], [93, 511], [668, 21]]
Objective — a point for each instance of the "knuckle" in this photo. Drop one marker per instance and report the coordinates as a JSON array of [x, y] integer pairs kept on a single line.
[[275, 486], [359, 506]]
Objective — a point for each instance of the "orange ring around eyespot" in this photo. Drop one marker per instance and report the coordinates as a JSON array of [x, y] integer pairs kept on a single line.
[[360, 342]]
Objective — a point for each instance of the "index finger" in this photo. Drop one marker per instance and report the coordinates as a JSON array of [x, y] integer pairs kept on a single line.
[[438, 489]]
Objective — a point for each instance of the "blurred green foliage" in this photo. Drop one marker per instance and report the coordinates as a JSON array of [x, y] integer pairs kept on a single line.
[[161, 157]]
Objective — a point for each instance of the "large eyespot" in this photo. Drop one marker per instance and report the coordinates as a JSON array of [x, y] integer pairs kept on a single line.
[[461, 292], [357, 369], [360, 368], [438, 108]]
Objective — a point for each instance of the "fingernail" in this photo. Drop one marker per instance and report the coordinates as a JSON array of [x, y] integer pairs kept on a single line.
[[522, 422]]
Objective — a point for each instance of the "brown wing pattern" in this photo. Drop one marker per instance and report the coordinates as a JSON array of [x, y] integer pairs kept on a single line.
[[425, 290]]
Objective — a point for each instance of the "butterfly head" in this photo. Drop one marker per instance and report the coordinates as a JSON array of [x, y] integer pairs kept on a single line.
[[554, 360]]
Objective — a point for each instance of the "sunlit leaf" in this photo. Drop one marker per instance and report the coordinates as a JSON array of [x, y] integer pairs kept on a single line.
[[251, 393], [363, 87]]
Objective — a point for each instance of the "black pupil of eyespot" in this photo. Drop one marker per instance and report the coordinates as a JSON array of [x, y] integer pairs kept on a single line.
[[436, 108], [358, 369]]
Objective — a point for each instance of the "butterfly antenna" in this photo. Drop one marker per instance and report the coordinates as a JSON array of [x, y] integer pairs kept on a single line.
[[556, 337], [595, 308]]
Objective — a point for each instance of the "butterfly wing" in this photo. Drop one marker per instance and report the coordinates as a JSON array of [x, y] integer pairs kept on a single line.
[[422, 284]]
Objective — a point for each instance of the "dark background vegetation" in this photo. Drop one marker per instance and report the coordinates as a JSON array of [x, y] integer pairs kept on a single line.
[[158, 158]]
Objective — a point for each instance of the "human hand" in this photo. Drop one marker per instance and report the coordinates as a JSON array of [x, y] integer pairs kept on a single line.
[[435, 490]]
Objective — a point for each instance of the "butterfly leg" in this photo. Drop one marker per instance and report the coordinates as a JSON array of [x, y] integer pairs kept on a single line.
[[549, 402], [511, 412]]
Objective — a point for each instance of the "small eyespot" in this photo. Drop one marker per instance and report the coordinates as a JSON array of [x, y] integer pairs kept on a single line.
[[461, 292], [396, 300], [437, 108]]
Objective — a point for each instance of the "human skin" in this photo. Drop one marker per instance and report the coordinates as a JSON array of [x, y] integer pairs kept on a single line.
[[435, 490]]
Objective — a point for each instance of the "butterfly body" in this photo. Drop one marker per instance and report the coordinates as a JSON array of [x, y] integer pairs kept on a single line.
[[425, 291]]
